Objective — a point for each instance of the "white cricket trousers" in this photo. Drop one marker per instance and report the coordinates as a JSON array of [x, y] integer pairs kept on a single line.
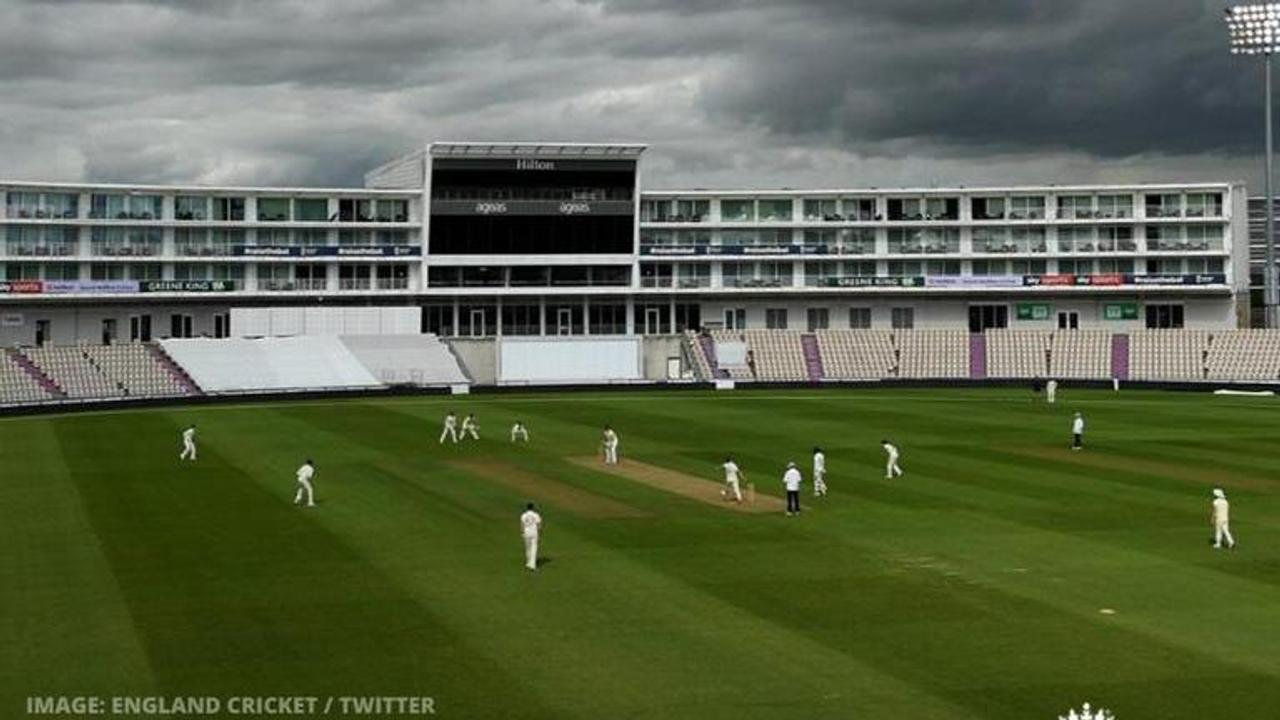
[[519, 435], [1221, 531], [304, 488], [891, 468], [611, 454], [449, 432], [531, 552], [734, 490], [1052, 395], [470, 429], [188, 451], [820, 483]]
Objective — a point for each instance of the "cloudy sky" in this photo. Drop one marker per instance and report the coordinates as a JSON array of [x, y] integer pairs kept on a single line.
[[753, 93]]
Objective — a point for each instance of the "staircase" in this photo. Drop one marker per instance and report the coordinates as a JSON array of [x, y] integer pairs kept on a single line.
[[977, 356], [189, 386], [36, 373], [1120, 357], [812, 357], [709, 351]]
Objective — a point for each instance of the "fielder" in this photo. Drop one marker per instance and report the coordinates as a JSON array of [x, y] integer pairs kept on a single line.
[[471, 426], [1051, 391], [791, 480], [188, 444], [450, 428], [305, 473], [1221, 518], [819, 472], [530, 524], [519, 433], [609, 440], [732, 476], [891, 469], [1077, 432]]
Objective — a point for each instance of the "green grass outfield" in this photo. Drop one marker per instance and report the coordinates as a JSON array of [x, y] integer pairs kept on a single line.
[[971, 588]]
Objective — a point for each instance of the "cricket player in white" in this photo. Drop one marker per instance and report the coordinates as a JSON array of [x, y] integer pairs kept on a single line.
[[610, 442], [1221, 517], [450, 428], [819, 472], [891, 469], [1077, 432], [188, 444], [305, 473], [530, 524], [791, 480], [471, 427], [519, 433], [1051, 391], [732, 478]]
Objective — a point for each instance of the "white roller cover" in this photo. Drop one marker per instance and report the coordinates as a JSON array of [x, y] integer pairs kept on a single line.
[[566, 360], [265, 364], [416, 359], [731, 353], [291, 321]]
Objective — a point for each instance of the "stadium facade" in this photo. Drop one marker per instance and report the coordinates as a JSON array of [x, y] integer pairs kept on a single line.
[[511, 239]]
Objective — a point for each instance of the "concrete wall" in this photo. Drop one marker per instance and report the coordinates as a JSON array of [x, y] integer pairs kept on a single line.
[[657, 350], [479, 358], [83, 323]]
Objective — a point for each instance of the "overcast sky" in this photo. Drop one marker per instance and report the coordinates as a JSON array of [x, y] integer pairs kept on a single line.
[[755, 93]]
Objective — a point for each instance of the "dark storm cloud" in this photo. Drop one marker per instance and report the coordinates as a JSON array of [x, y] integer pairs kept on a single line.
[[742, 93]]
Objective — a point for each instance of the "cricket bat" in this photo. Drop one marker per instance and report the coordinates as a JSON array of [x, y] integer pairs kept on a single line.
[[751, 492]]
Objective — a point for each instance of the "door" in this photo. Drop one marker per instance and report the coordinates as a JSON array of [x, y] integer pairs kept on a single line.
[[180, 326], [109, 331], [43, 333], [221, 325], [735, 319], [652, 321], [1068, 320], [564, 321], [140, 328], [477, 322]]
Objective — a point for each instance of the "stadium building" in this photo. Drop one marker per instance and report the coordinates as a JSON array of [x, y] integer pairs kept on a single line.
[[501, 240]]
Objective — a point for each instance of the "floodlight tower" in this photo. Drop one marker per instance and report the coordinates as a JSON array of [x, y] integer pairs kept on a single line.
[[1255, 30]]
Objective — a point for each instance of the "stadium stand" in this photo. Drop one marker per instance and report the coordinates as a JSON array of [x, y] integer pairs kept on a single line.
[[269, 364], [778, 355], [1244, 356], [932, 354], [697, 350], [857, 354], [1080, 354], [1168, 354], [406, 359], [134, 368], [75, 372], [1017, 353], [17, 385]]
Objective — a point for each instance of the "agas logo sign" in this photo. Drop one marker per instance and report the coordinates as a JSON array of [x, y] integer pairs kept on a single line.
[[574, 208], [490, 208]]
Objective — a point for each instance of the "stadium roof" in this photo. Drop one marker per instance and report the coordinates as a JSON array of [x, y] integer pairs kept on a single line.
[[539, 150]]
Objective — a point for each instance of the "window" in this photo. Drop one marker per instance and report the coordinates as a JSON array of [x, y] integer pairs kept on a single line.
[[989, 208], [105, 271], [990, 267], [696, 275], [438, 320], [906, 209], [1077, 239], [389, 210], [737, 210], [1075, 267], [775, 210], [190, 207], [1165, 205], [904, 268], [903, 318], [1204, 237], [61, 205], [692, 210], [860, 318], [1026, 208], [392, 277], [1115, 206], [819, 318], [1204, 205], [1165, 237], [1108, 266], [606, 318], [1164, 316], [982, 317], [1116, 238], [228, 209], [821, 209], [310, 209], [942, 209], [1071, 207], [942, 267], [62, 271], [775, 318], [273, 209], [860, 209], [22, 205], [1029, 267], [856, 241]]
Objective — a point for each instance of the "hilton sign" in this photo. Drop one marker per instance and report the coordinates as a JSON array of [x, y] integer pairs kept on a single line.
[[535, 165]]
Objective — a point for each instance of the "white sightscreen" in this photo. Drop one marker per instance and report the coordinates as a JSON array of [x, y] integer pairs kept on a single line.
[[731, 354], [569, 360], [296, 321]]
